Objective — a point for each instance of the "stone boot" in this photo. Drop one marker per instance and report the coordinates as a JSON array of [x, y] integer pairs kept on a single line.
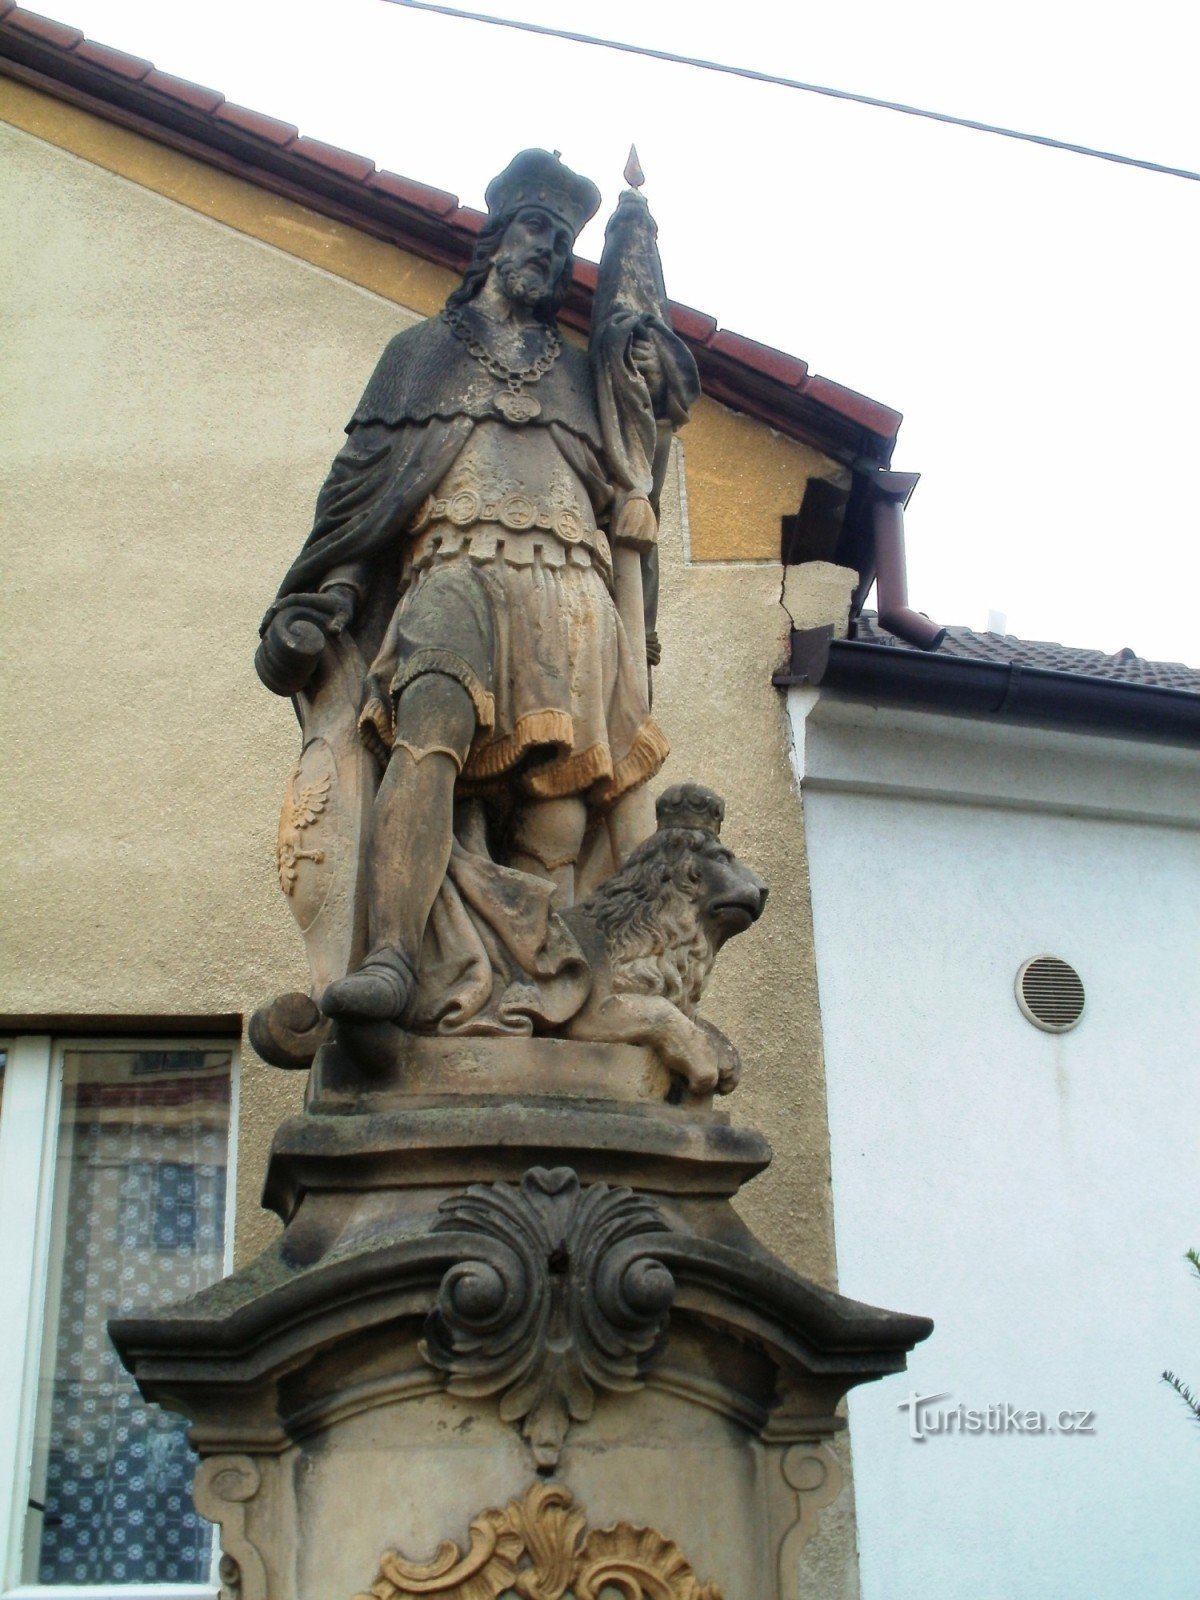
[[379, 991]]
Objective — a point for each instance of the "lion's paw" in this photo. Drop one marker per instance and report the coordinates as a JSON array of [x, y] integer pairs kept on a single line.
[[724, 1056]]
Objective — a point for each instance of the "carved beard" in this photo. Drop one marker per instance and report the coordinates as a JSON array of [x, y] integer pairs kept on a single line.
[[525, 280]]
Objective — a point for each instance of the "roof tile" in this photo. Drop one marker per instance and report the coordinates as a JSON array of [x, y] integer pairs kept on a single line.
[[859, 408], [467, 219], [586, 273], [785, 369], [337, 160], [414, 194], [56, 33], [125, 66], [253, 122], [1045, 656], [188, 94], [697, 326]]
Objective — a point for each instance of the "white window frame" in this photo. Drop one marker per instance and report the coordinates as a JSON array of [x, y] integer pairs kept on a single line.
[[29, 1122]]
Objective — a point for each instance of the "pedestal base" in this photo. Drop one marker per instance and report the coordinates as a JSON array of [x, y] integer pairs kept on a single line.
[[509, 1326]]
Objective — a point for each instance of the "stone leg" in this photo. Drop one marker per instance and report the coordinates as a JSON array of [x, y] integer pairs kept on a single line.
[[411, 832], [630, 823], [547, 839]]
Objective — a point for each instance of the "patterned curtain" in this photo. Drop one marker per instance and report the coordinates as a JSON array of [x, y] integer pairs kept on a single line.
[[138, 1220]]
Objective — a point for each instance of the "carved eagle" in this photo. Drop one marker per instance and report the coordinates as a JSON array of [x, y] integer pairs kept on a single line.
[[300, 809]]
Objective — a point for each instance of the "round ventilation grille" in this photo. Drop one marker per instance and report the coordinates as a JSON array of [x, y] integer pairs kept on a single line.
[[1050, 993]]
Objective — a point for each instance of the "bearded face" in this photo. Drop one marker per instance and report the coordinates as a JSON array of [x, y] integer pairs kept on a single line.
[[532, 256]]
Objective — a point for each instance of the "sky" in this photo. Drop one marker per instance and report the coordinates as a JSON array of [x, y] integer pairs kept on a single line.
[[1031, 312]]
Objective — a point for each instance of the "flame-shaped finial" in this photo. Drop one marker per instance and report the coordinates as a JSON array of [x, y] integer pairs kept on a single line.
[[634, 176]]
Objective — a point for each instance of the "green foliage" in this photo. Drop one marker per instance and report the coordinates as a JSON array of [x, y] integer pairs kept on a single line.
[[1181, 1388]]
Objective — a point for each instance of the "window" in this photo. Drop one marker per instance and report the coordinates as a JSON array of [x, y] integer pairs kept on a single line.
[[114, 1196]]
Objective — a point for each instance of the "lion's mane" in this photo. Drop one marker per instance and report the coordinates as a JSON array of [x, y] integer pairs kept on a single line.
[[649, 914]]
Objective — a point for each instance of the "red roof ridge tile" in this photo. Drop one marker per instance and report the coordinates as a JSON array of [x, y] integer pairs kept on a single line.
[[415, 194], [182, 89], [55, 33], [765, 382], [118, 61], [256, 124], [334, 157]]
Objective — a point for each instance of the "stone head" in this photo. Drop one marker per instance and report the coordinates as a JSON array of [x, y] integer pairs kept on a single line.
[[536, 208], [533, 258]]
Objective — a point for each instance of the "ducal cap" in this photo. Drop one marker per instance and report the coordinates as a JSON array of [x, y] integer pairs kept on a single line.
[[537, 178]]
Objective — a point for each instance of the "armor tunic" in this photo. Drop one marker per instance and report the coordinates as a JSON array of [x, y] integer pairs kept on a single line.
[[486, 537]]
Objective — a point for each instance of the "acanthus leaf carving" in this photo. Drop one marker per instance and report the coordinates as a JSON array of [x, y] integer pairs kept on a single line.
[[540, 1548], [562, 1300]]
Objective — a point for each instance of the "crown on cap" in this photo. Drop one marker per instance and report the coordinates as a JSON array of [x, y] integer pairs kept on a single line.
[[536, 178], [690, 805]]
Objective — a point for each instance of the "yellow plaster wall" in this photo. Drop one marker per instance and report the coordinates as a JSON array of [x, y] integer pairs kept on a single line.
[[742, 477]]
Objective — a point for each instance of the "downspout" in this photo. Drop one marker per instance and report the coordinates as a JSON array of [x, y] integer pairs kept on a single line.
[[890, 493]]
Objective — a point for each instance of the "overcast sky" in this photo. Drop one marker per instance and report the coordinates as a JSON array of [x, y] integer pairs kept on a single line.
[[1032, 313]]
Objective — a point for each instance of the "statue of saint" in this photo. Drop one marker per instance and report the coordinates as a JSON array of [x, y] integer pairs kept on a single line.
[[461, 577]]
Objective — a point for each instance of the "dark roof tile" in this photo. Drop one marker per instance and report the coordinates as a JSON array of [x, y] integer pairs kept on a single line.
[[1004, 649]]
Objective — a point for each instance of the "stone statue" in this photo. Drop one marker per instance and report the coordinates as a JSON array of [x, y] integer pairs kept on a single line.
[[513, 1338], [466, 634]]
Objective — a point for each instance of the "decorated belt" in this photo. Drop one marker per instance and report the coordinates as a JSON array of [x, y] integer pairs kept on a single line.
[[516, 511]]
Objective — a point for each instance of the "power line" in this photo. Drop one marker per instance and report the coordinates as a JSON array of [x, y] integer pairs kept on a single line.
[[794, 83]]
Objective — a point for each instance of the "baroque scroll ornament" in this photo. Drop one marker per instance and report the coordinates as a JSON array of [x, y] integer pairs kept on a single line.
[[540, 1548], [564, 1297]]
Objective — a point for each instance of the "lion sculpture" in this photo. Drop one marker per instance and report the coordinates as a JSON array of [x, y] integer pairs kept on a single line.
[[648, 936], [651, 932]]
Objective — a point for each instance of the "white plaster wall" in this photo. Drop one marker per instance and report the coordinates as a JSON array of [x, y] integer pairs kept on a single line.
[[1033, 1193]]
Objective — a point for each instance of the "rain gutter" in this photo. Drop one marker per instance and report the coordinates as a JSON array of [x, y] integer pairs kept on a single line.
[[934, 681]]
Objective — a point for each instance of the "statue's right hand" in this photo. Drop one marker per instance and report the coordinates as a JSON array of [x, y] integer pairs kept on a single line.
[[330, 608], [296, 634]]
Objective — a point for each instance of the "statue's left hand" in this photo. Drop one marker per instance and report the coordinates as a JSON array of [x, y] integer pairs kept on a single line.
[[645, 357]]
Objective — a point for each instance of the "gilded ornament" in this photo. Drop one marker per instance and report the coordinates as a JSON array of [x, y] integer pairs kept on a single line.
[[540, 1548]]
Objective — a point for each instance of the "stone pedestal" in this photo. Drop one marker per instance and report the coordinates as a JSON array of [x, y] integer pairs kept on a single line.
[[511, 1342]]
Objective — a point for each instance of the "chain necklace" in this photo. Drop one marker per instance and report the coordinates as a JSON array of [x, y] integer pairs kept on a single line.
[[513, 404]]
